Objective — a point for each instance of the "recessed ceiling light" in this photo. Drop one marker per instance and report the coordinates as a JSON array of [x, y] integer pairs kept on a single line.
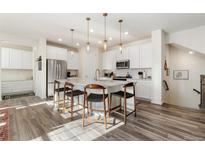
[[99, 42], [91, 30], [77, 44], [60, 39], [191, 52], [126, 33], [110, 38]]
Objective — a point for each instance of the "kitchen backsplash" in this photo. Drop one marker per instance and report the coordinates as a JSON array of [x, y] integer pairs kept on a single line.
[[132, 72]]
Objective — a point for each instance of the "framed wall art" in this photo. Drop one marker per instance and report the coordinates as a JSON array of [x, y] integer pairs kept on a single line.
[[181, 74]]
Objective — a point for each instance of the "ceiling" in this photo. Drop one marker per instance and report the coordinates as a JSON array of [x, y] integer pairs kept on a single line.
[[55, 26]]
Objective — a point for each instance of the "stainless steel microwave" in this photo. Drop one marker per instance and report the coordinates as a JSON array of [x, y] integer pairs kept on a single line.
[[123, 64]]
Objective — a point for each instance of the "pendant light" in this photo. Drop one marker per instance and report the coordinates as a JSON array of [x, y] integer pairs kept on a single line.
[[105, 37], [72, 31], [120, 44], [88, 37]]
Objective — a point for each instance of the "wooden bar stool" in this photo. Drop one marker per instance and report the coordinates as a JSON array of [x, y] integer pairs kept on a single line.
[[57, 90], [124, 94], [93, 97], [70, 93]]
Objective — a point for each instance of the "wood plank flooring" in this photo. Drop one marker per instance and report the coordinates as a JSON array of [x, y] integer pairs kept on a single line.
[[32, 118]]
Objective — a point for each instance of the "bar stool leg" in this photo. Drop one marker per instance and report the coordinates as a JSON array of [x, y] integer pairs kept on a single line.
[[72, 107], [135, 106], [105, 118], [125, 111], [83, 115], [120, 103]]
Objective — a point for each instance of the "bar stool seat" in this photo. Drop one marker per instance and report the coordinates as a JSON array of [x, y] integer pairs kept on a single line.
[[74, 93], [96, 97], [122, 93]]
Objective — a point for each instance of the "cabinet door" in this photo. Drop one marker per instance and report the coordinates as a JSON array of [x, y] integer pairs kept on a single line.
[[105, 57], [26, 60], [124, 55], [73, 60], [134, 56], [143, 89], [5, 57], [56, 53], [146, 56], [15, 59], [109, 61]]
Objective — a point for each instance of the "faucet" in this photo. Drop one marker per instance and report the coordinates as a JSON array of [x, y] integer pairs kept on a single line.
[[97, 73]]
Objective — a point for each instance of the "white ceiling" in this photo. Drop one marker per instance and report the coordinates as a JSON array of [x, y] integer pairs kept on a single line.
[[54, 26]]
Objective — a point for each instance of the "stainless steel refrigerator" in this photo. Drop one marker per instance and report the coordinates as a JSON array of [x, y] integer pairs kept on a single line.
[[55, 69], [202, 105]]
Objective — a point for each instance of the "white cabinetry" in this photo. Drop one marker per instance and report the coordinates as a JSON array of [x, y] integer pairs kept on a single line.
[[73, 60], [57, 53], [124, 55], [109, 60], [17, 87], [134, 56], [143, 89], [16, 59], [146, 55], [5, 57]]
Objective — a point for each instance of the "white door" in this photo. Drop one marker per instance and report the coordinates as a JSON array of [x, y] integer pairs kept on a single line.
[[5, 57], [146, 55]]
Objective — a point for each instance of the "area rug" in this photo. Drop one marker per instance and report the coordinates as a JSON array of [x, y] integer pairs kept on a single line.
[[4, 125]]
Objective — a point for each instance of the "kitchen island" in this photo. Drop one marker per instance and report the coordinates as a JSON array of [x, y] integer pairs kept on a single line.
[[110, 85]]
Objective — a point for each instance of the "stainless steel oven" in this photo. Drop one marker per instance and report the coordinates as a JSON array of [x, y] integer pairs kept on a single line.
[[123, 64]]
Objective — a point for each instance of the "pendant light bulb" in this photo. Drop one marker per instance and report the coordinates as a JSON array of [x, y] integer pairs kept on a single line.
[[72, 31], [105, 45], [88, 46], [105, 32], [120, 45], [88, 36]]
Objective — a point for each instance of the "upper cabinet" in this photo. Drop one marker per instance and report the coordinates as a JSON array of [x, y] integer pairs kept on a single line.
[[134, 56], [73, 60], [146, 55], [109, 61], [5, 57], [16, 59], [56, 53], [124, 55], [140, 56]]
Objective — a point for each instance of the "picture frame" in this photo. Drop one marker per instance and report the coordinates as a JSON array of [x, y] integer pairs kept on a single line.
[[181, 74]]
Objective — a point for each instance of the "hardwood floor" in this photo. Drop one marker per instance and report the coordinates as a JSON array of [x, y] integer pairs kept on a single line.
[[31, 118]]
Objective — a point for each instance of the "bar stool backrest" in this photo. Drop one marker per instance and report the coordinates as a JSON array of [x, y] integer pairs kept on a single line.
[[68, 87], [94, 87], [128, 85]]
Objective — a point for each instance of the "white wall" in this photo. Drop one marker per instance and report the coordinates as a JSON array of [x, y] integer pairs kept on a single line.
[[40, 76], [158, 49], [181, 91], [90, 61], [191, 38]]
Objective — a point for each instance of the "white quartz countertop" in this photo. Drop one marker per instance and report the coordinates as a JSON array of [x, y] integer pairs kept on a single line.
[[84, 82]]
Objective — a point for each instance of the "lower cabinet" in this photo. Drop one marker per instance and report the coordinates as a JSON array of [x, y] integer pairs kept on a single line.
[[143, 89], [17, 87]]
